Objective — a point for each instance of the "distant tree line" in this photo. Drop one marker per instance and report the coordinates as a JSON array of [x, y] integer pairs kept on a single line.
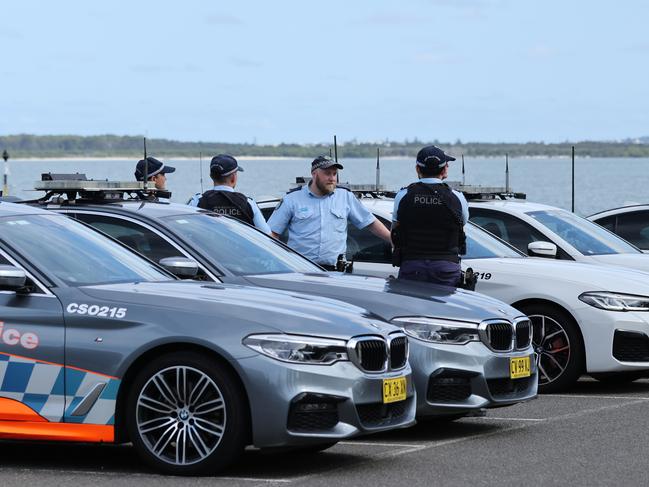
[[20, 146]]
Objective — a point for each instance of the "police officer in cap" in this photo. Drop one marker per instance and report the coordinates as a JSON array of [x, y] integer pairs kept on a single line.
[[316, 216], [223, 199], [428, 223], [156, 169]]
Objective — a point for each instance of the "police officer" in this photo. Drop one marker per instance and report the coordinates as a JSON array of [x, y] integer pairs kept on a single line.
[[223, 199], [316, 216], [156, 169], [428, 223]]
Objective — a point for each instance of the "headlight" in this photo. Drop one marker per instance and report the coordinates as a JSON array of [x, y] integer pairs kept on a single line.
[[615, 301], [298, 349], [439, 331]]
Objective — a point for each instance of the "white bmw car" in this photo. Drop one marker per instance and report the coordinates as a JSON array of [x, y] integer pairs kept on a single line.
[[548, 231], [587, 319], [629, 222]]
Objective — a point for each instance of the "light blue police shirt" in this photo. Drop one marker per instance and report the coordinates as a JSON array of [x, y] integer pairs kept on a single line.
[[460, 196], [257, 218], [317, 225]]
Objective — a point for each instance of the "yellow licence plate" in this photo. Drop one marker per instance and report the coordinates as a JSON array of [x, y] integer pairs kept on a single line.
[[519, 367], [394, 390]]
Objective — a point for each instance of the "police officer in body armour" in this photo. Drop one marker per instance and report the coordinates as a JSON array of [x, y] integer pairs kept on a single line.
[[223, 199], [428, 223]]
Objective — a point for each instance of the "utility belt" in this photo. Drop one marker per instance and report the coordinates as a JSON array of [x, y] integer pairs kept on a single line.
[[342, 265]]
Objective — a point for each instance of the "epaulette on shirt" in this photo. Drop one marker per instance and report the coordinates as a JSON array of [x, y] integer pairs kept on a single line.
[[294, 190]]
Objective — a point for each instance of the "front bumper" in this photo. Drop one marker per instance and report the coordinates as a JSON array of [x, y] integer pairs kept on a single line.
[[610, 335], [346, 402], [458, 379]]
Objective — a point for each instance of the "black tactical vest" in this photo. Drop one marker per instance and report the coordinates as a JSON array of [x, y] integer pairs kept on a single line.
[[227, 203], [430, 223]]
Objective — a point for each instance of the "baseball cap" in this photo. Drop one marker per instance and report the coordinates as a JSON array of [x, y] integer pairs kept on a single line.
[[432, 156], [155, 167], [324, 162], [224, 165]]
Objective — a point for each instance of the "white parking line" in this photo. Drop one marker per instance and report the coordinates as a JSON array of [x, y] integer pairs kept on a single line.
[[508, 419], [596, 396], [147, 475], [376, 443]]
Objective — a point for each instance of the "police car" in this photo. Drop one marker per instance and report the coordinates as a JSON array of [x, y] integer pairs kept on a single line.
[[99, 345], [629, 222], [586, 318], [469, 351], [551, 232]]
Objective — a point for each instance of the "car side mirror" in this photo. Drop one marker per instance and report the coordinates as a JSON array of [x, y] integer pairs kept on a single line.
[[542, 249], [12, 278], [181, 267]]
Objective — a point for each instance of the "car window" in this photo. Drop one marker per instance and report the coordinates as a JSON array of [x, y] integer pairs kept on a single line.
[[585, 236], [511, 229], [239, 248], [364, 246], [134, 235], [608, 222], [73, 253], [482, 245], [633, 227]]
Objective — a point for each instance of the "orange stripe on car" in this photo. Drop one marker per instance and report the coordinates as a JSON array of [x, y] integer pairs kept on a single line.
[[12, 410], [24, 430]]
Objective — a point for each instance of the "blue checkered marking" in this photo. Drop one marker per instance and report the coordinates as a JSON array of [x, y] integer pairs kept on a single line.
[[73, 380], [35, 401], [59, 385], [17, 376]]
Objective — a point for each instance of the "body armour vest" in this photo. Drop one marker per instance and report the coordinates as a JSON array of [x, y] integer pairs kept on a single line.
[[228, 203], [430, 223]]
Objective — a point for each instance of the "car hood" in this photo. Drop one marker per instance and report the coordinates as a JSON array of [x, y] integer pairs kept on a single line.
[[583, 276], [391, 298], [638, 262], [245, 306]]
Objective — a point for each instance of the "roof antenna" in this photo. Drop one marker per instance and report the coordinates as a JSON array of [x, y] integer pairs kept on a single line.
[[378, 170], [200, 161], [336, 157], [146, 167], [573, 179], [462, 169], [506, 173]]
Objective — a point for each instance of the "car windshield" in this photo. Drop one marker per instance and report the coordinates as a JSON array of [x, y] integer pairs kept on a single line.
[[239, 248], [584, 235], [76, 255], [482, 245]]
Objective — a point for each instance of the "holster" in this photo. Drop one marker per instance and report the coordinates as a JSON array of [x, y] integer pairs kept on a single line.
[[468, 280], [397, 242]]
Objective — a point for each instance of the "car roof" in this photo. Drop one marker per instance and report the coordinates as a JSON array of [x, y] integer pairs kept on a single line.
[[152, 209], [620, 209], [15, 209], [513, 206]]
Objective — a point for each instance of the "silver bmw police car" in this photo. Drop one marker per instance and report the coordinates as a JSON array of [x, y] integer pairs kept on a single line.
[[99, 345]]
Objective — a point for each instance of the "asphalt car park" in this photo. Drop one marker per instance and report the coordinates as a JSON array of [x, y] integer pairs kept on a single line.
[[595, 435]]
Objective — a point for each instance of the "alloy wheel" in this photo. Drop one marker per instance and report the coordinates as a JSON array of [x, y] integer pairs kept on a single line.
[[181, 415], [552, 347]]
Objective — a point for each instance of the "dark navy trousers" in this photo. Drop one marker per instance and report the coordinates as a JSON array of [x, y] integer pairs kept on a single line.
[[436, 271]]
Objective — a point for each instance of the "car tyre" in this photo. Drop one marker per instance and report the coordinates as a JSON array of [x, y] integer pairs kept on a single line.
[[187, 415], [559, 347]]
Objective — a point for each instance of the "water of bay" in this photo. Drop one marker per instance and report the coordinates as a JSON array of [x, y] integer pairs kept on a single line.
[[600, 183]]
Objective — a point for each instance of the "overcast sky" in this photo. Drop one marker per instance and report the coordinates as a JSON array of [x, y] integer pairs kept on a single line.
[[301, 71]]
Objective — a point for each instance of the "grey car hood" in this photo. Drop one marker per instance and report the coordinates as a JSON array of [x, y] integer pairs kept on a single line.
[[264, 310], [391, 298]]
